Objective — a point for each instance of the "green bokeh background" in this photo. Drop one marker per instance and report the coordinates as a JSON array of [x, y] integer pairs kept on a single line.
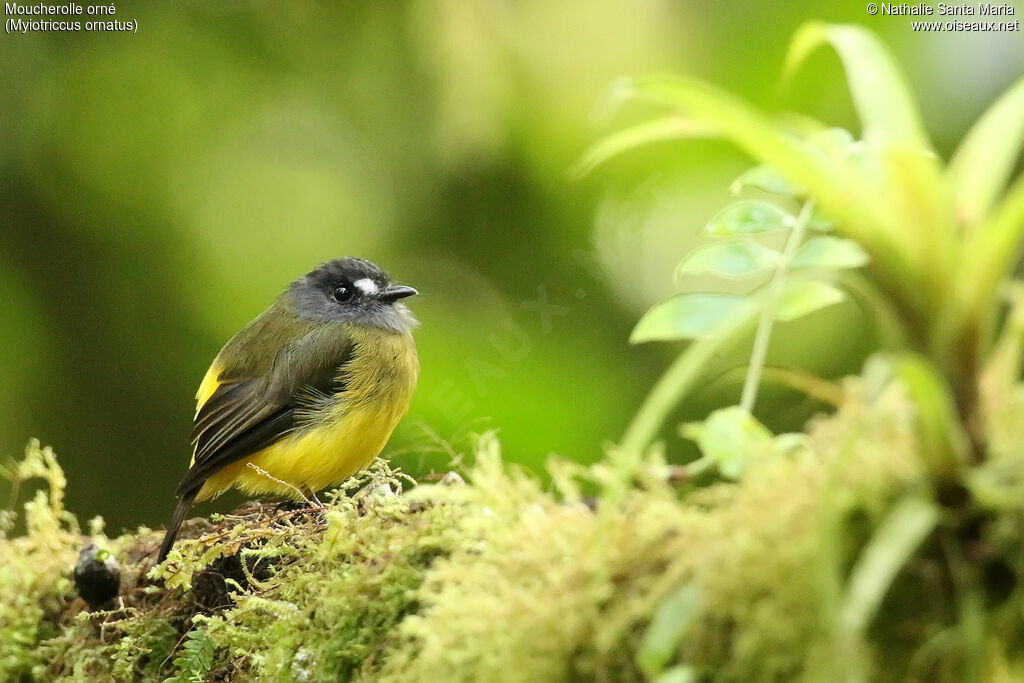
[[158, 189]]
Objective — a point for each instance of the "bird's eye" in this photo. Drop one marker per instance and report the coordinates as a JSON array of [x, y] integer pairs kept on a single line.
[[342, 294]]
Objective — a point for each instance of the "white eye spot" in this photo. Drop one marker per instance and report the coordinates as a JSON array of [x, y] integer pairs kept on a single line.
[[366, 286]]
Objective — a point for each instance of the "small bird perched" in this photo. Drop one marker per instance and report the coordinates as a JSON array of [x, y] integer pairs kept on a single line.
[[308, 392]]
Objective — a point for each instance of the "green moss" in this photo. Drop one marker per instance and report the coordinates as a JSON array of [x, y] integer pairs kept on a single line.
[[35, 587], [327, 611], [504, 579], [572, 591]]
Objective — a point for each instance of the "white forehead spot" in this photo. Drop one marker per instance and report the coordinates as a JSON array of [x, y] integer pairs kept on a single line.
[[366, 285]]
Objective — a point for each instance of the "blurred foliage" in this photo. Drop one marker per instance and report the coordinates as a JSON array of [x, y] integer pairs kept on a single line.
[[158, 189]]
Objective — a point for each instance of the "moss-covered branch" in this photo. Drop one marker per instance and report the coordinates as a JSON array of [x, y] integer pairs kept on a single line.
[[502, 578]]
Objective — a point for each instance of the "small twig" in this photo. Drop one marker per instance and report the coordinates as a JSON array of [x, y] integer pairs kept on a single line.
[[282, 482], [442, 443], [175, 648], [400, 476], [269, 520], [248, 573], [764, 326], [12, 497]]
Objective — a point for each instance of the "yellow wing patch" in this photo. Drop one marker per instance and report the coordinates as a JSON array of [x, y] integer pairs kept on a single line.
[[209, 385]]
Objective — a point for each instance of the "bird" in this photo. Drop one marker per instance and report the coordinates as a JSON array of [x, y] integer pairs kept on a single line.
[[307, 393]]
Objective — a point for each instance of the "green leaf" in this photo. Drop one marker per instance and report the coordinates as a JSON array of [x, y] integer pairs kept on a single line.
[[832, 253], [668, 627], [880, 92], [801, 297], [732, 258], [670, 127], [766, 179], [989, 256], [731, 438], [841, 189], [894, 542], [982, 164], [689, 316], [749, 217]]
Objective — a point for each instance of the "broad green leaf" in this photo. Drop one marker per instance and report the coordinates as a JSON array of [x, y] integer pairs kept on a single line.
[[832, 253], [667, 629], [748, 217], [801, 297], [920, 201], [982, 164], [665, 128], [839, 144], [731, 438], [989, 256], [893, 544], [1001, 396], [842, 190], [731, 258], [879, 89], [919, 192], [766, 179], [689, 316]]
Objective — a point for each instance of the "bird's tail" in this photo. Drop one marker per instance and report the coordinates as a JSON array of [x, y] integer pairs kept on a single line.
[[172, 529]]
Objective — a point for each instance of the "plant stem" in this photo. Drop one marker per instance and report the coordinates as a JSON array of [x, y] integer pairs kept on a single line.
[[679, 380], [817, 388], [764, 326]]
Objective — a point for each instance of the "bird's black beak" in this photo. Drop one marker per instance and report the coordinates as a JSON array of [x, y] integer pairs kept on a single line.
[[396, 292]]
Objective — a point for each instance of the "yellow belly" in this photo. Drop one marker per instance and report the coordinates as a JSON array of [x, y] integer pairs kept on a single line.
[[308, 461], [347, 437]]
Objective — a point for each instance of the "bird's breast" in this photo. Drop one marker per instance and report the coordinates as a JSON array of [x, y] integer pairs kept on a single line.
[[381, 373]]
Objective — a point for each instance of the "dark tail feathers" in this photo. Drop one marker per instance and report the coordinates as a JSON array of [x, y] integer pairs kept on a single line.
[[172, 529]]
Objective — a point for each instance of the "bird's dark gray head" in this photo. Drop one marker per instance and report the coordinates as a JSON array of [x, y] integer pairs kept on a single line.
[[354, 291]]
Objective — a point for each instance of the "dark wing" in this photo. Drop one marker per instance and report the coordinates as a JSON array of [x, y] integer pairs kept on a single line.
[[246, 414]]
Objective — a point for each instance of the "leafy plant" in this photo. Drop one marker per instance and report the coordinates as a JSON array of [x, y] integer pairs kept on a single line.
[[196, 659], [933, 243], [924, 248]]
